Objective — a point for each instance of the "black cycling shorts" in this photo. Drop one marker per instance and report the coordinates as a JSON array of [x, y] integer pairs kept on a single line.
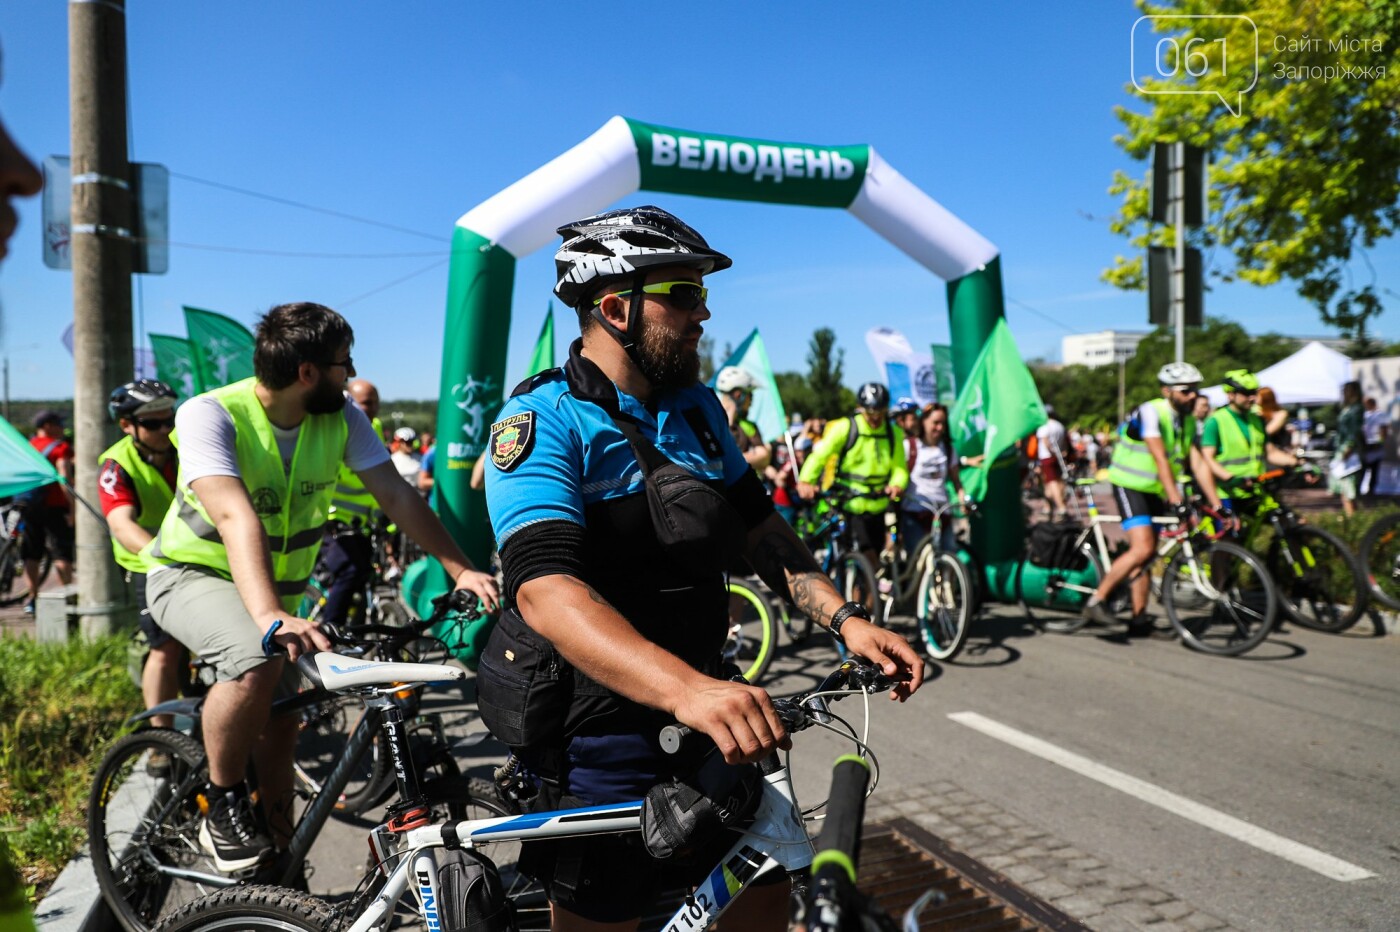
[[46, 528], [1138, 508], [868, 530]]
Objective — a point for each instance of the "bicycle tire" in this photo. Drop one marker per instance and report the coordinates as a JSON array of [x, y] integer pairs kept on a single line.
[[1049, 618], [944, 606], [325, 728], [260, 908], [139, 821], [8, 596], [855, 580], [1226, 611], [1324, 586], [753, 633], [1380, 558]]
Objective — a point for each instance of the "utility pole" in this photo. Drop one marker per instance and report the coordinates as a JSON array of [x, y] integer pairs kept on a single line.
[[102, 263]]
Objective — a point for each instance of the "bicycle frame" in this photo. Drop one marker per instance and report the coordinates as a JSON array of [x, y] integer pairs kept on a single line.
[[776, 839]]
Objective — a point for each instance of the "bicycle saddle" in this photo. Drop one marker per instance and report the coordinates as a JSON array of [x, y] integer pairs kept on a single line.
[[335, 672]]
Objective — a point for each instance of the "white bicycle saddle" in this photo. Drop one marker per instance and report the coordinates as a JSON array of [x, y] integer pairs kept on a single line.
[[337, 671]]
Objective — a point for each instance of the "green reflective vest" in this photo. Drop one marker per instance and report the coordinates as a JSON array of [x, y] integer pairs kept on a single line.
[[153, 496], [292, 506], [1240, 455], [1133, 467], [867, 463]]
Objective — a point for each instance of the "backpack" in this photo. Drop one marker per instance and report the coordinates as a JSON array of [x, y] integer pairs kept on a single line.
[[471, 895], [1052, 545], [853, 435]]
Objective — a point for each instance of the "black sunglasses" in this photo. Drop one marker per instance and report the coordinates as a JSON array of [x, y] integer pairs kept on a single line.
[[156, 423]]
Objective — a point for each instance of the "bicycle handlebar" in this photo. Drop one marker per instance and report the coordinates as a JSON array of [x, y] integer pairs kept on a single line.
[[838, 847]]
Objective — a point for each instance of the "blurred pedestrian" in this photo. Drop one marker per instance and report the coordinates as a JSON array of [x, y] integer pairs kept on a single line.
[[1051, 442], [1275, 418], [1345, 471], [1375, 429]]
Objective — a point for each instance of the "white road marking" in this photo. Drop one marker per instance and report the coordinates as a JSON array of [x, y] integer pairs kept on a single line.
[[1263, 839]]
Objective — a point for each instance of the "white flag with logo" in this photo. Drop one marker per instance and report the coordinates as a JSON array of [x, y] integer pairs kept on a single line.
[[907, 374]]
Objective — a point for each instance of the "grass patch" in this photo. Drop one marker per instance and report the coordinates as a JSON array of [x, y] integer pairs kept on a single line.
[[60, 707]]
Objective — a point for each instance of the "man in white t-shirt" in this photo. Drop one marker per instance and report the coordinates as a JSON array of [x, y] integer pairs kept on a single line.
[[258, 464], [1050, 450], [1375, 428]]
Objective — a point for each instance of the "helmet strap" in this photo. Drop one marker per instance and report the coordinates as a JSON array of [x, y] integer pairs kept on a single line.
[[627, 339]]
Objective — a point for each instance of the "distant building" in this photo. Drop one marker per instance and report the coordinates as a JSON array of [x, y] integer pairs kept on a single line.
[[1105, 348]]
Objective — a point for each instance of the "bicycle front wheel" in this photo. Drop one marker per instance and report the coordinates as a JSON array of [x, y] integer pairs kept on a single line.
[[1219, 598], [753, 633], [944, 606], [855, 580], [1380, 557], [1321, 584], [143, 827], [264, 909]]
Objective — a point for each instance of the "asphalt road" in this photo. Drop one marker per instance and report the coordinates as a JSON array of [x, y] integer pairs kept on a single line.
[[1300, 739]]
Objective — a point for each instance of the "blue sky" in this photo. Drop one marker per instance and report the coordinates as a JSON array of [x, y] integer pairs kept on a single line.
[[411, 114]]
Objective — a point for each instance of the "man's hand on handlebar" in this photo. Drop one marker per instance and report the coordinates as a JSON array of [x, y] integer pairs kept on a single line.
[[296, 636], [807, 490], [738, 718], [483, 585], [889, 651]]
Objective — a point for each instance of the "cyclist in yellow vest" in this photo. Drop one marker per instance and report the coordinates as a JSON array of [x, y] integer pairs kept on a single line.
[[347, 555], [258, 465], [135, 485], [1235, 446], [1153, 446], [870, 460]]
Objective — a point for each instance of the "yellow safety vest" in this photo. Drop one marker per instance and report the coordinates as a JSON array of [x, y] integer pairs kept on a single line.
[[1133, 466], [153, 496], [292, 507], [1240, 455]]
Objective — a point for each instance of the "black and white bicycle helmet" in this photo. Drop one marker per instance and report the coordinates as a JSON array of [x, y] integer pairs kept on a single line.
[[142, 397], [623, 245], [873, 396], [1179, 373]]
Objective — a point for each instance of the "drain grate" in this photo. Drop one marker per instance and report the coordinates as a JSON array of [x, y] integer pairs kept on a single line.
[[899, 861]]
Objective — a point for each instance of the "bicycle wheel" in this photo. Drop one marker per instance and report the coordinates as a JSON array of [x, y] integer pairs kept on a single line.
[[325, 729], [944, 606], [143, 827], [855, 580], [1380, 558], [753, 634], [14, 567], [1220, 598], [273, 909], [1320, 583], [1062, 615]]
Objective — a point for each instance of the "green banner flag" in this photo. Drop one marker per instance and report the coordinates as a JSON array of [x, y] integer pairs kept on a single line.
[[175, 364], [223, 348], [766, 409], [543, 357], [946, 390], [997, 406]]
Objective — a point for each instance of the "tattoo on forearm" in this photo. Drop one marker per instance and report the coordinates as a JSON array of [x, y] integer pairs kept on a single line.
[[809, 591], [790, 569], [596, 596]]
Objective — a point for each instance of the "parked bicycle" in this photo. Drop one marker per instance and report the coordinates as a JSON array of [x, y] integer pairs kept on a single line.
[[946, 598], [12, 532], [1218, 596], [145, 808], [429, 857]]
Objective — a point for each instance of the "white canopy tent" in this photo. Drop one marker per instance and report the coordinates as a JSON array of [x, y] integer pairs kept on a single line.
[[1313, 375]]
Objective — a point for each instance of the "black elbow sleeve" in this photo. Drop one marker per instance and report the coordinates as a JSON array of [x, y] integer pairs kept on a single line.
[[549, 548]]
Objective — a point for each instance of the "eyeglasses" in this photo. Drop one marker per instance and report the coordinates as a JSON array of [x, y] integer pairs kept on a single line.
[[156, 423], [1186, 389], [348, 362], [683, 296]]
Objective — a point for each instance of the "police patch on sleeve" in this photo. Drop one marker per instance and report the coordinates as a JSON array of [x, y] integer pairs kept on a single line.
[[512, 439]]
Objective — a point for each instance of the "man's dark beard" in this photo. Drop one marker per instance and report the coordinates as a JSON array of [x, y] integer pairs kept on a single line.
[[325, 398], [665, 359]]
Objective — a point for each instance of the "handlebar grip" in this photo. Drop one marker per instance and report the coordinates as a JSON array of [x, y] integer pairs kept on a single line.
[[838, 848], [673, 737]]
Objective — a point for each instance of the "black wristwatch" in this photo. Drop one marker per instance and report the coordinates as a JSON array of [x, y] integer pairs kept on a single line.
[[844, 612]]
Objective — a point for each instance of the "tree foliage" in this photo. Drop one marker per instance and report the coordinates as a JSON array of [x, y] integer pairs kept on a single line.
[[1308, 177]]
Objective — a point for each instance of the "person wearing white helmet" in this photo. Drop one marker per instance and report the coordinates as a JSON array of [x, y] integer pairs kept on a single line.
[[1154, 445], [607, 581], [735, 388]]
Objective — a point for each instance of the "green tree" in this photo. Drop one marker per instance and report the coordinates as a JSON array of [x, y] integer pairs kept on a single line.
[[825, 365], [1308, 177]]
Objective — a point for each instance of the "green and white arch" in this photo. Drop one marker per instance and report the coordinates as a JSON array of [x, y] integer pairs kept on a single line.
[[626, 156]]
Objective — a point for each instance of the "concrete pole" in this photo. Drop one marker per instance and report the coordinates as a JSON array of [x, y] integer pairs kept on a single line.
[[1178, 195], [102, 262]]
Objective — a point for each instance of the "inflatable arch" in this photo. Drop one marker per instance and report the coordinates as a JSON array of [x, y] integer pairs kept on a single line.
[[625, 156]]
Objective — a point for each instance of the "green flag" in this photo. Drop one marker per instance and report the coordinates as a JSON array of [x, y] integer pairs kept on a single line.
[[943, 373], [766, 409], [223, 348], [543, 357], [175, 364], [997, 406]]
